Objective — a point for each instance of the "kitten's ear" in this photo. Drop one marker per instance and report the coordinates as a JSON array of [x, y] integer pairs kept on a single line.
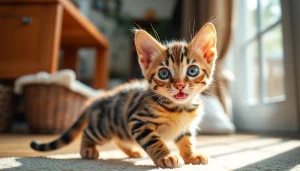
[[204, 43], [147, 48]]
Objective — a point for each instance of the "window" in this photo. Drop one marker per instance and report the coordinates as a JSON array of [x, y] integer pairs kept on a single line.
[[263, 51], [264, 93]]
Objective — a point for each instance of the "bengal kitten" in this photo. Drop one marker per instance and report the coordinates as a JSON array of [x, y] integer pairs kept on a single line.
[[164, 106]]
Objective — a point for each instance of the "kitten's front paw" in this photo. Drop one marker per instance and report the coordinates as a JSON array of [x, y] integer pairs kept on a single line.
[[89, 153], [196, 159], [170, 161], [134, 154]]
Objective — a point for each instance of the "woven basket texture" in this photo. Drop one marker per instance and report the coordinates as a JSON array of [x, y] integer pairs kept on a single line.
[[51, 108]]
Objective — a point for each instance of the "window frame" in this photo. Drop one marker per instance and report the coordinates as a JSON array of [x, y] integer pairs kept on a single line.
[[260, 32]]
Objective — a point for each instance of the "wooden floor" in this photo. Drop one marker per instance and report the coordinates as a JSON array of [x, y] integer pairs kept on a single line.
[[18, 145]]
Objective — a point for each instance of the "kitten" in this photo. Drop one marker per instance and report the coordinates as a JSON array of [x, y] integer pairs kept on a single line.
[[164, 106]]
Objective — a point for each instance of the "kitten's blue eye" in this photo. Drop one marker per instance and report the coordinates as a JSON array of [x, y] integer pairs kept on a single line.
[[164, 73], [193, 71]]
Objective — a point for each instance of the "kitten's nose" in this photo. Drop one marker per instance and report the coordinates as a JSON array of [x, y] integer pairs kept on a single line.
[[179, 85]]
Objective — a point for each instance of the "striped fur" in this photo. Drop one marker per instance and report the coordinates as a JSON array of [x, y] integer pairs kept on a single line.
[[147, 113]]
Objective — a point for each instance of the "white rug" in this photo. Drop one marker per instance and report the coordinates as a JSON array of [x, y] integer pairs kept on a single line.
[[112, 160]]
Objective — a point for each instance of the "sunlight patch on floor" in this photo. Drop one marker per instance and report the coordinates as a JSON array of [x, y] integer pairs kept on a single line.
[[245, 153], [9, 163]]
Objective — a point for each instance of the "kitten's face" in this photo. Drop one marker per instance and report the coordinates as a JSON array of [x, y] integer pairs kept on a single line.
[[178, 70]]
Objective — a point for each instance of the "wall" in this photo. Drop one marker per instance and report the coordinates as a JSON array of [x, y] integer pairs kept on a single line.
[[295, 27], [136, 8], [119, 45]]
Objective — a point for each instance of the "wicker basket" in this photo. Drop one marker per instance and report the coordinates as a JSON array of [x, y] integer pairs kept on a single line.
[[6, 108], [51, 108]]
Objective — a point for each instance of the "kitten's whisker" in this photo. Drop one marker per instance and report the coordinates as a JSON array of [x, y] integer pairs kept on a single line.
[[193, 49], [216, 80], [135, 27], [155, 33], [217, 86], [206, 103], [193, 43], [148, 97], [160, 102], [155, 102], [190, 29], [214, 95], [194, 28]]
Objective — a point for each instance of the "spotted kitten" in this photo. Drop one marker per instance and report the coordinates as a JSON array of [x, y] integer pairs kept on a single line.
[[164, 106]]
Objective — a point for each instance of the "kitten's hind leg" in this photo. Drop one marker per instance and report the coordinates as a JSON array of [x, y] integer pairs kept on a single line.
[[88, 148], [129, 151]]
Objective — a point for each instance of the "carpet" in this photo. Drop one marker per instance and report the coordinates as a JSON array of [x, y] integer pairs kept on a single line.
[[241, 153], [72, 162]]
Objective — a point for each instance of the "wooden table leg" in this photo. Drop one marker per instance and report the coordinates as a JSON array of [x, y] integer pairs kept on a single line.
[[51, 26], [70, 59], [101, 72]]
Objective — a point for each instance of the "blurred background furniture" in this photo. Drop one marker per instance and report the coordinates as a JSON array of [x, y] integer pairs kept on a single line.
[[33, 31], [6, 108]]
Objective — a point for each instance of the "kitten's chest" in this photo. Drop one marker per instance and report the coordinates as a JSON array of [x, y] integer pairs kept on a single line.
[[177, 123]]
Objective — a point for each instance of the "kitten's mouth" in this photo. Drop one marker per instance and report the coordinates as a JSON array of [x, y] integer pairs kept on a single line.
[[180, 95]]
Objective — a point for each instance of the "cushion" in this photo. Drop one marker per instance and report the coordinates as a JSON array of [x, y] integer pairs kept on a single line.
[[215, 120]]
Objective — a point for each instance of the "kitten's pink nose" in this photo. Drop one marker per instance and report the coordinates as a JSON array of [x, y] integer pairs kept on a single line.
[[179, 85]]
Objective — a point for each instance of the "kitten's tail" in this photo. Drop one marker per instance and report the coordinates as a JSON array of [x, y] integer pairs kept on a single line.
[[66, 138]]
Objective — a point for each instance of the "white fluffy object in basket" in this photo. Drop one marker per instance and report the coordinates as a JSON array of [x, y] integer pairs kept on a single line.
[[65, 78]]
